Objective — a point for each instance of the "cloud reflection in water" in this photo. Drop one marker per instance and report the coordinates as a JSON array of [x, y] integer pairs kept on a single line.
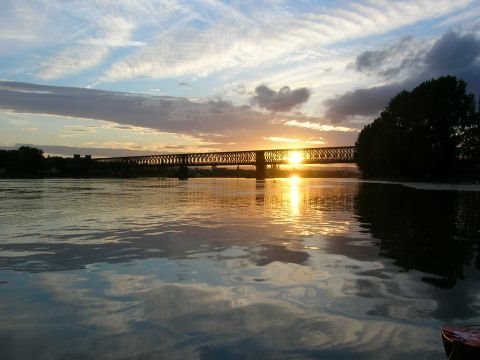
[[217, 268]]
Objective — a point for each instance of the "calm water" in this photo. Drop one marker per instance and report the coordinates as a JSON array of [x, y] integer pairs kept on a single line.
[[218, 268]]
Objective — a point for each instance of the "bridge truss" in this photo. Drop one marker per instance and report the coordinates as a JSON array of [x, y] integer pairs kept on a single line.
[[325, 155]]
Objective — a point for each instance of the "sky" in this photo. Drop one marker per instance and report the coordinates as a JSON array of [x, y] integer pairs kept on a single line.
[[132, 77]]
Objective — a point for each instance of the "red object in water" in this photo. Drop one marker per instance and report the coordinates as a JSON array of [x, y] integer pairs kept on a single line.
[[461, 342]]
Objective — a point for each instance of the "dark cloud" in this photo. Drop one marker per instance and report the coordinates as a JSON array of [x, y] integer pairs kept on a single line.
[[169, 114], [361, 102], [451, 54], [283, 100], [216, 121], [390, 61], [457, 55], [370, 59]]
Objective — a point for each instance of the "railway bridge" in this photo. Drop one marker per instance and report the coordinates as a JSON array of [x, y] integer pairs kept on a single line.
[[258, 158]]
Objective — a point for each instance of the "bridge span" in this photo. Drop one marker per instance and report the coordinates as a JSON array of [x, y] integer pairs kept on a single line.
[[258, 158]]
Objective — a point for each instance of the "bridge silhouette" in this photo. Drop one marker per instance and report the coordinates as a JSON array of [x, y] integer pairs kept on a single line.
[[258, 158]]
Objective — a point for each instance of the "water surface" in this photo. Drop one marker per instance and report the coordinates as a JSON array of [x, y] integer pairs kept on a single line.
[[234, 268]]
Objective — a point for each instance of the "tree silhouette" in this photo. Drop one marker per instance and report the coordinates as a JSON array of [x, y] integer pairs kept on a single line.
[[430, 132], [30, 159]]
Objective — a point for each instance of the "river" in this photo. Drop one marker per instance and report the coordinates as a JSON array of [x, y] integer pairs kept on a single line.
[[235, 268]]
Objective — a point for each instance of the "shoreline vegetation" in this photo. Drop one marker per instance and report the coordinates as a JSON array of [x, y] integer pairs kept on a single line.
[[431, 133]]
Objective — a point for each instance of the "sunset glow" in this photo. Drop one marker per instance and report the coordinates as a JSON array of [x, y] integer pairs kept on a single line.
[[190, 77], [295, 157], [239, 179]]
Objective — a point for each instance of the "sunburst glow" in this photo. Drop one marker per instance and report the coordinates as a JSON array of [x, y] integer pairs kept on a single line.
[[295, 157]]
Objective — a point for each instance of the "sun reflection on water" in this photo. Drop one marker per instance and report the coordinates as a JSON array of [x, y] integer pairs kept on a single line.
[[294, 195]]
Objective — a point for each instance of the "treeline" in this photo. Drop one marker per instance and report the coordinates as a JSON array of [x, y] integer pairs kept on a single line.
[[30, 162], [26, 160], [431, 133]]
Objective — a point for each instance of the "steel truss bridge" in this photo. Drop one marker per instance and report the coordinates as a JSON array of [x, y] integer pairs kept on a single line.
[[259, 158]]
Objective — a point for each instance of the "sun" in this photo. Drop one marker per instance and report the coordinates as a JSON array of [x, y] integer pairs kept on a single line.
[[295, 157]]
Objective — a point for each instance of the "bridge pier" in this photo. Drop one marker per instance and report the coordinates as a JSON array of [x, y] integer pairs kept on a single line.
[[182, 173], [260, 165], [183, 169]]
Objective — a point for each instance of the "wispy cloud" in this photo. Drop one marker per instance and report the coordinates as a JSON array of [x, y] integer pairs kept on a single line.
[[295, 141], [282, 139], [90, 51], [75, 36], [72, 61], [234, 41], [318, 127], [342, 61], [464, 17], [177, 38], [109, 149]]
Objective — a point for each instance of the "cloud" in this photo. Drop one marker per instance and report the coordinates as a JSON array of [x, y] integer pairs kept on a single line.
[[222, 37], [240, 127], [319, 127], [456, 55], [294, 141], [282, 139], [465, 16], [65, 38], [89, 51], [105, 151], [283, 100], [391, 61], [451, 54], [73, 60], [164, 39], [163, 113], [361, 102]]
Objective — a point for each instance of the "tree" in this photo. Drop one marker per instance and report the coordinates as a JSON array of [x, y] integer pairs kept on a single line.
[[30, 159], [426, 133]]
